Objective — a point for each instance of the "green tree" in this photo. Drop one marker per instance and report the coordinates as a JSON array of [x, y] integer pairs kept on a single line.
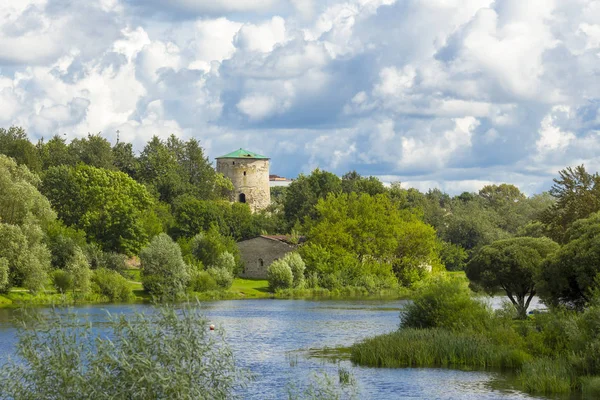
[[569, 276], [56, 152], [4, 275], [79, 269], [208, 246], [511, 265], [302, 195], [164, 273], [94, 150], [108, 206], [14, 143], [297, 265], [280, 275], [124, 159], [352, 182], [577, 195]]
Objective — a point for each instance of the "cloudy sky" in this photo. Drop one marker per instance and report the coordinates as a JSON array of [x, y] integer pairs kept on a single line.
[[452, 94]]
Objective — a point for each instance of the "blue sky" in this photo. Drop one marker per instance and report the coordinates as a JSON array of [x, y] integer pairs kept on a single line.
[[453, 94]]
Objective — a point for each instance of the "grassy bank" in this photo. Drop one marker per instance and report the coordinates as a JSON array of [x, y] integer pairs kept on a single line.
[[551, 353], [241, 289]]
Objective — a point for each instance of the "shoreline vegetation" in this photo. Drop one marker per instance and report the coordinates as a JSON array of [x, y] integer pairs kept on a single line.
[[241, 289], [554, 352]]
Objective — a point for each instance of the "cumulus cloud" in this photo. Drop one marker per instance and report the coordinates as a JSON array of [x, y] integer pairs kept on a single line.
[[447, 93]]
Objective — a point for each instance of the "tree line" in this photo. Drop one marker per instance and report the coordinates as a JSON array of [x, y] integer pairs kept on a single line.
[[68, 205]]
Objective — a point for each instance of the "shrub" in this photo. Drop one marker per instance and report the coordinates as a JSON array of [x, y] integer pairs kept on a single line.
[[164, 274], [208, 246], [111, 284], [4, 282], [62, 281], [222, 277], [203, 281], [446, 303], [160, 355], [226, 262], [279, 275], [297, 266], [79, 269]]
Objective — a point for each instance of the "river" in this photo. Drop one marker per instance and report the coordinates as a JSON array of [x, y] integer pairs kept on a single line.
[[273, 338]]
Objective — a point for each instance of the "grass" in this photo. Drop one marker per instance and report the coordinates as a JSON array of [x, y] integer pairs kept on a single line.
[[250, 288], [545, 375], [435, 348]]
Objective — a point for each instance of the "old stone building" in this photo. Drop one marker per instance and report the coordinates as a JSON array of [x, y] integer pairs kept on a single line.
[[249, 173], [258, 253]]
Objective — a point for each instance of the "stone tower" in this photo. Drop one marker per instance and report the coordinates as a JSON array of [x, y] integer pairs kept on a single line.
[[249, 173]]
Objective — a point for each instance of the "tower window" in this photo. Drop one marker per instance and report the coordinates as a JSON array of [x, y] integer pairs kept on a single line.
[[244, 173], [234, 163], [242, 198], [261, 262]]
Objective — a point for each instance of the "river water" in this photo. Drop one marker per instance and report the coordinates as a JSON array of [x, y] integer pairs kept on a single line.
[[274, 339]]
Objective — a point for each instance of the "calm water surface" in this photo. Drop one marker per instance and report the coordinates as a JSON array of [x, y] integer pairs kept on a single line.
[[267, 334]]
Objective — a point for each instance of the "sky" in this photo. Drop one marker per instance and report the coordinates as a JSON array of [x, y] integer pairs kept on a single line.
[[453, 94]]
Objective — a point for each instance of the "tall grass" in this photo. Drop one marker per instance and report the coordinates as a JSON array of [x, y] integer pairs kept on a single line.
[[435, 347], [547, 375]]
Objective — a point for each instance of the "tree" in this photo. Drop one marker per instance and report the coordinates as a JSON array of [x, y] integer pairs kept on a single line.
[[280, 275], [14, 143], [124, 159], [109, 206], [79, 270], [568, 277], [208, 246], [164, 273], [94, 150], [511, 265], [353, 182], [24, 213], [303, 194], [577, 195], [297, 265], [56, 152]]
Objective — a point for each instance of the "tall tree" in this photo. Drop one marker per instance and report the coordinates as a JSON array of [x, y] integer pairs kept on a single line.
[[93, 150], [14, 143], [577, 195], [302, 195]]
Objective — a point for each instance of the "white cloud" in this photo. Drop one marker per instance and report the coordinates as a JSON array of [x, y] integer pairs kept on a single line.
[[454, 93]]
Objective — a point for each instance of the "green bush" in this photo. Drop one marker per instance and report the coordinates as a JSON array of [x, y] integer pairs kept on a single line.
[[4, 282], [160, 355], [164, 273], [111, 284], [62, 281], [202, 281], [279, 275], [225, 261], [114, 261], [446, 303], [222, 277], [297, 266]]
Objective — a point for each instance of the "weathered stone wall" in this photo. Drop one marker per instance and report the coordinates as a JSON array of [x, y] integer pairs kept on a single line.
[[260, 248], [250, 178]]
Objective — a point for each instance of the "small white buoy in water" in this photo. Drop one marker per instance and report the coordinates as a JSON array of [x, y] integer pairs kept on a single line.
[[212, 327]]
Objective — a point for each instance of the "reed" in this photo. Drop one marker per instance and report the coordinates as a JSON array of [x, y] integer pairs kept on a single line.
[[546, 375], [435, 348]]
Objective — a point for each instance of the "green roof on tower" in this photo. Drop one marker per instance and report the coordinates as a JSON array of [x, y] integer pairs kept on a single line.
[[241, 153]]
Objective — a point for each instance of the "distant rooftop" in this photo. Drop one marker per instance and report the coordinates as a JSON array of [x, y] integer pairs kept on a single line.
[[241, 153]]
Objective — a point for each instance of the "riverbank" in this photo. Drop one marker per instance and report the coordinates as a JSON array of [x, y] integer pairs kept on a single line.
[[552, 353], [241, 289]]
